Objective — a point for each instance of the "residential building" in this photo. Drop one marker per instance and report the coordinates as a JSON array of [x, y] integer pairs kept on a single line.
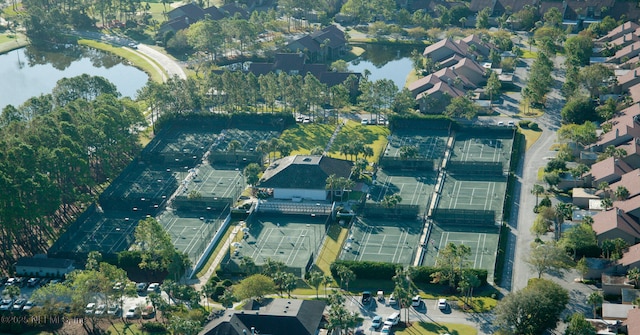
[[615, 223]]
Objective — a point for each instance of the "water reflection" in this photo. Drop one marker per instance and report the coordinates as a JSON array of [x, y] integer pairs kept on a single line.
[[31, 71], [386, 62]]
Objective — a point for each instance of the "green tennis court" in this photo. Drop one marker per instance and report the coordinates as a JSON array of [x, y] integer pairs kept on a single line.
[[429, 147], [383, 241], [415, 188], [481, 148], [191, 232], [291, 239], [210, 182], [483, 242], [476, 194]]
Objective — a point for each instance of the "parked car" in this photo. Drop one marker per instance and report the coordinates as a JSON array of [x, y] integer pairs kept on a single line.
[[29, 305], [416, 301], [118, 286], [10, 281], [132, 313], [376, 322], [385, 330], [18, 304], [392, 300], [153, 287], [148, 312], [113, 310], [33, 282], [366, 298], [5, 304], [141, 287], [100, 309], [442, 304], [90, 308]]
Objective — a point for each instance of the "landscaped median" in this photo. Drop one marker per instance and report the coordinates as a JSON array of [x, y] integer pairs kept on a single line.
[[427, 328], [149, 66]]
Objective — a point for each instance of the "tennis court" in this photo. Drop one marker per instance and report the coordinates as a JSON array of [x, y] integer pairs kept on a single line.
[[216, 183], [415, 188], [248, 138], [291, 239], [429, 147], [191, 232], [475, 194], [481, 148], [483, 242], [383, 241]]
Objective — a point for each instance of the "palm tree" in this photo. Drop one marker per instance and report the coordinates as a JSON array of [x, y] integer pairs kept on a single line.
[[315, 279], [332, 184], [233, 147], [346, 275], [595, 299], [262, 147], [634, 274], [326, 281], [621, 193], [606, 203], [537, 190]]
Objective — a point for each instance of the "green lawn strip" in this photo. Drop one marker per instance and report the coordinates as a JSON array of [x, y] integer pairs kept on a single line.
[[373, 136], [331, 247], [529, 54], [143, 63], [531, 136], [216, 251], [305, 137], [9, 42], [427, 328], [129, 328]]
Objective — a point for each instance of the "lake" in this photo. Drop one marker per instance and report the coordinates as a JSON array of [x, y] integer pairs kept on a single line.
[[385, 62], [30, 72]]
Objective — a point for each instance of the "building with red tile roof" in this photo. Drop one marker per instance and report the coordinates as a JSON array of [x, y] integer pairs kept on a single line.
[[615, 223], [625, 127], [609, 170]]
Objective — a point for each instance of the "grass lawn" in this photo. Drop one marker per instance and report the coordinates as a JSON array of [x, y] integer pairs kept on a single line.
[[304, 137], [217, 250], [427, 328], [373, 136], [331, 247], [529, 54], [411, 77], [530, 137], [527, 111], [143, 63], [10, 42], [132, 328]]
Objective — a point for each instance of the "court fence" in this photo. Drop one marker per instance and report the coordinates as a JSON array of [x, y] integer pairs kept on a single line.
[[475, 168], [202, 204], [235, 158], [399, 163], [464, 217], [372, 209], [282, 207]]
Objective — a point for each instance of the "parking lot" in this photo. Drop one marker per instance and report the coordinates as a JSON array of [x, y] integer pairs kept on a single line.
[[97, 306]]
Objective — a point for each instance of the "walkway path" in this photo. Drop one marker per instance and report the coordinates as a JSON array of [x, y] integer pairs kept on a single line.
[[198, 283]]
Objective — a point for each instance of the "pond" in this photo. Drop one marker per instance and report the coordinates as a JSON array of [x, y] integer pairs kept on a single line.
[[385, 62], [30, 72]]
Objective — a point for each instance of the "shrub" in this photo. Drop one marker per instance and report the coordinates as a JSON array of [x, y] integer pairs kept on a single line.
[[422, 274], [153, 327], [227, 283], [534, 126], [366, 269], [219, 290], [524, 123]]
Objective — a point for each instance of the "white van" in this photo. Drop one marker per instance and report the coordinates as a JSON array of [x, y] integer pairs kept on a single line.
[[393, 319]]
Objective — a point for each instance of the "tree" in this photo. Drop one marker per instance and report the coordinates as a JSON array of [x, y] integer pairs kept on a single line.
[[584, 134], [233, 147], [256, 286], [346, 275], [634, 274], [548, 257], [606, 203], [582, 267], [452, 260], [552, 179], [579, 49], [579, 326], [326, 281], [537, 190], [403, 289], [595, 79], [155, 245], [578, 110], [482, 19], [315, 279], [532, 310], [252, 173], [595, 299], [540, 226], [493, 86], [461, 107], [579, 237], [621, 193], [408, 152]]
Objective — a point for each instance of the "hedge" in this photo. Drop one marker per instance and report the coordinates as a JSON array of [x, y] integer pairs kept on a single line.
[[153, 327], [367, 269], [422, 274]]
